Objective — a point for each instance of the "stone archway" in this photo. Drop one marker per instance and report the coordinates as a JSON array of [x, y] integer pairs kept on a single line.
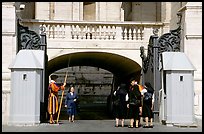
[[121, 67]]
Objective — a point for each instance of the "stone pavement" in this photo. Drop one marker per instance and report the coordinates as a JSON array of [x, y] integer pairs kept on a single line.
[[97, 126]]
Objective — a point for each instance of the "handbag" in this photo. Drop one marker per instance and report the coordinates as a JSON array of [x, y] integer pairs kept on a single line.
[[135, 101], [116, 101]]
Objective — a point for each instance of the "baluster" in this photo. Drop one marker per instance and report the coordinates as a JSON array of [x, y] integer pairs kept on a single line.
[[130, 34], [114, 32], [88, 33], [134, 34], [84, 32], [63, 31], [72, 31], [52, 31], [77, 31], [57, 31], [97, 33], [60, 32], [139, 34], [142, 33], [136, 29], [93, 33], [109, 32], [48, 31], [104, 32], [100, 32], [125, 34]]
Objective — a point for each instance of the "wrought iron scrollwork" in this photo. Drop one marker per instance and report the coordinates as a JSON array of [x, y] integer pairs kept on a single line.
[[150, 53], [147, 60], [27, 39], [170, 41]]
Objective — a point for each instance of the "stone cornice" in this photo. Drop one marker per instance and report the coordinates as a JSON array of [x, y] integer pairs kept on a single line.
[[189, 6], [193, 37], [8, 33], [8, 3], [90, 22]]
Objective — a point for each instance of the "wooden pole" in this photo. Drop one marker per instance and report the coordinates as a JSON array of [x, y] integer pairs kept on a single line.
[[63, 91], [61, 99]]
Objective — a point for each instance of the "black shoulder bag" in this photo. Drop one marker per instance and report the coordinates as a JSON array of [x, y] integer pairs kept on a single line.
[[135, 101]]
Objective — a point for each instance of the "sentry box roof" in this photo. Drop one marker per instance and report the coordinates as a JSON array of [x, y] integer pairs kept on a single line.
[[176, 61], [28, 59]]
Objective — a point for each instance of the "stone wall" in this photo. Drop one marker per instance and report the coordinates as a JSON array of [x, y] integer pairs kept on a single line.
[[8, 54]]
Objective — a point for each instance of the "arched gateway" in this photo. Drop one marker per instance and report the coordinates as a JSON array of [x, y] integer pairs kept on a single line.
[[120, 61], [121, 67], [116, 62]]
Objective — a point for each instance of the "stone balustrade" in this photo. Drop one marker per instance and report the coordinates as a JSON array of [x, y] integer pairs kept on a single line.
[[132, 31]]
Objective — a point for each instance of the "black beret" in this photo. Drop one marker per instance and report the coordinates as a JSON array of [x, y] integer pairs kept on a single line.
[[53, 77]]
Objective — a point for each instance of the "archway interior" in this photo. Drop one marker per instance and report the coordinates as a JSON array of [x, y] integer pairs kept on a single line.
[[114, 65], [120, 66]]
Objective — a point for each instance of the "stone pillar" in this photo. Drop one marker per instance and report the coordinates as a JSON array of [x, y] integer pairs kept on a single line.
[[97, 11], [76, 11], [122, 14], [113, 11], [81, 11], [42, 10], [8, 54], [165, 16], [63, 11], [102, 11], [192, 40], [118, 31], [136, 11]]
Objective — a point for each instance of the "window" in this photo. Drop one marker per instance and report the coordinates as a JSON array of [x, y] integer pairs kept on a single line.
[[24, 76], [181, 78]]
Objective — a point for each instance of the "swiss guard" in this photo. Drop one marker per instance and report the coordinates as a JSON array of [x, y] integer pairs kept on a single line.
[[53, 97]]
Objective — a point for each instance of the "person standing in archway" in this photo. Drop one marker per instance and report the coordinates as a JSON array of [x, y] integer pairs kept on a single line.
[[120, 105], [147, 107], [53, 97], [71, 104], [134, 104]]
